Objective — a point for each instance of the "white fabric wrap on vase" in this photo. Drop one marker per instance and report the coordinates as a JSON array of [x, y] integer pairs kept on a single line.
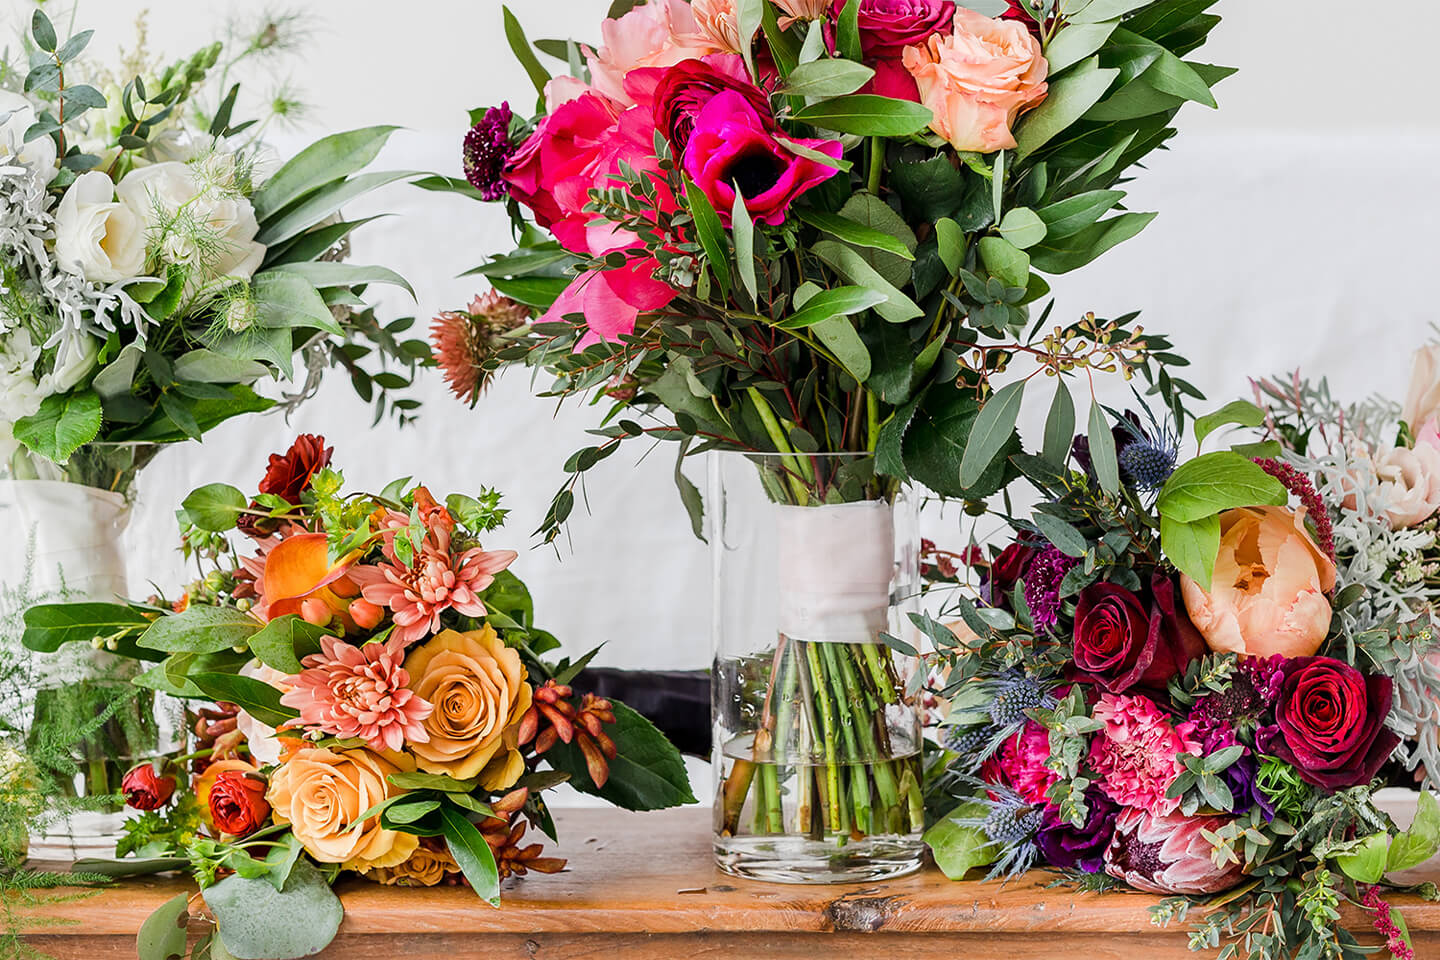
[[836, 564]]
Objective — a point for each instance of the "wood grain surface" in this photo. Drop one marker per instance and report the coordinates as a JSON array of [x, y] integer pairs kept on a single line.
[[644, 886]]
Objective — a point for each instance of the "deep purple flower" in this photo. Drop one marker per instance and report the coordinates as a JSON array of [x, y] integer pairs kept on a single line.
[[1065, 845], [487, 149], [1240, 775], [1042, 586]]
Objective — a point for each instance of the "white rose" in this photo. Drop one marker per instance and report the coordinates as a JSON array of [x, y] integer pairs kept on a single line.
[[16, 116], [97, 237], [74, 359], [20, 395], [1408, 483]]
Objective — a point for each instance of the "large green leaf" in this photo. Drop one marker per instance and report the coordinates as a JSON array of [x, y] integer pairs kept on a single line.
[[307, 212], [1214, 482], [285, 299], [201, 629], [64, 423], [1102, 449], [958, 848], [1241, 412], [324, 161], [934, 445], [162, 936], [838, 301], [840, 337], [49, 625], [647, 774], [206, 366], [711, 233], [1081, 247], [214, 507], [1070, 96], [1059, 425], [160, 428], [255, 697], [826, 78], [855, 233], [258, 922], [1074, 214], [472, 854], [1192, 547], [868, 115], [846, 261], [285, 641], [327, 273], [866, 208], [515, 36], [1421, 840], [1075, 42]]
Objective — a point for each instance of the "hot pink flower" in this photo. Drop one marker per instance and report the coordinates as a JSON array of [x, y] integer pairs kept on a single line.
[[1168, 855], [348, 691], [611, 300], [1137, 754], [1020, 762]]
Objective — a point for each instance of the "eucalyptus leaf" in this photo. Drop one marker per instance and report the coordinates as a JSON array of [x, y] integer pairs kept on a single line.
[[201, 629], [992, 432], [1102, 450], [163, 934], [257, 922], [1059, 425], [325, 161]]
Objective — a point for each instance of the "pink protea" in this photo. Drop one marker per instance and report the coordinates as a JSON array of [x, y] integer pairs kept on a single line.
[[1168, 855], [348, 691], [435, 581], [1020, 762], [1137, 754]]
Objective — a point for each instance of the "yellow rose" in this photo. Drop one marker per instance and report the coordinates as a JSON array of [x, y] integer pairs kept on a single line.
[[319, 793], [425, 868], [478, 688]]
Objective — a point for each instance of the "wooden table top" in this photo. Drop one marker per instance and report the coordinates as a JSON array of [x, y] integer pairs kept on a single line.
[[645, 885]]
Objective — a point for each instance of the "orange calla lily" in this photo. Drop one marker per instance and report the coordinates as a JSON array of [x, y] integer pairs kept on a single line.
[[299, 578]]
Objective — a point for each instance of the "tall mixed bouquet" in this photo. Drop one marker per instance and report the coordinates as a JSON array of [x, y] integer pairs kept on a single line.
[[1190, 676], [373, 697]]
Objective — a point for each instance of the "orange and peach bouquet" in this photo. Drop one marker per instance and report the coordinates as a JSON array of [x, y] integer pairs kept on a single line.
[[371, 697]]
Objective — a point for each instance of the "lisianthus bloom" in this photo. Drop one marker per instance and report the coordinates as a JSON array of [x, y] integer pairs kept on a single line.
[[1168, 854], [684, 89], [1137, 753], [1083, 848], [1330, 721], [359, 692], [480, 691], [658, 33], [298, 578], [1268, 591], [887, 27], [1122, 641], [145, 789], [978, 80], [237, 803], [1020, 763], [611, 301], [1407, 483], [321, 794], [734, 144], [487, 149]]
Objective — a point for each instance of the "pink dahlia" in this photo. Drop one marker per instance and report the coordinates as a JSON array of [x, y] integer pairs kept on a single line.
[[1020, 762], [1168, 855], [348, 691], [435, 581], [1137, 754]]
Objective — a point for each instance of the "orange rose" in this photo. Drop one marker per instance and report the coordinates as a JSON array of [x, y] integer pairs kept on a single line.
[[478, 687], [320, 793], [425, 868], [1268, 592]]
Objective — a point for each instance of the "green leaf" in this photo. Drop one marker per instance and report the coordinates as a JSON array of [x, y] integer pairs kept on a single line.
[[1085, 245], [935, 441], [1074, 214], [647, 774], [324, 161], [1241, 412], [255, 697], [201, 630], [993, 430], [866, 208], [285, 641], [711, 233], [472, 854], [1365, 861], [163, 934], [1022, 227], [867, 115], [1070, 96], [826, 78], [207, 366], [1005, 261], [847, 32], [856, 234], [951, 242], [538, 292], [158, 428], [63, 424], [1420, 842], [742, 229], [214, 507], [838, 301], [43, 31], [1192, 547], [1102, 450], [959, 849], [1218, 481], [1099, 10], [1066, 538], [256, 920], [896, 307], [840, 337], [414, 780], [326, 273], [284, 299], [515, 35], [1075, 42], [1059, 425], [522, 262], [322, 203], [48, 626]]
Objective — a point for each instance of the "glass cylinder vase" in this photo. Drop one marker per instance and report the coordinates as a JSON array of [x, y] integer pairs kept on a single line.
[[816, 733]]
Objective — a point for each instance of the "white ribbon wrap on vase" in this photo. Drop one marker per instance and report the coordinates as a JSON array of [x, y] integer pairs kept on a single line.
[[836, 564]]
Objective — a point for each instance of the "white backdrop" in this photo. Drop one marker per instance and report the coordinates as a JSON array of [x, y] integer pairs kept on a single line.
[[1298, 228]]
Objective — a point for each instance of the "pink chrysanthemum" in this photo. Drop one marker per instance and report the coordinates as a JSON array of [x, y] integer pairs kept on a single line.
[[1020, 762], [348, 691], [1137, 754], [436, 581]]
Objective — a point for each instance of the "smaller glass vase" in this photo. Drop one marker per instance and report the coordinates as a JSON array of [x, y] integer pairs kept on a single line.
[[817, 736]]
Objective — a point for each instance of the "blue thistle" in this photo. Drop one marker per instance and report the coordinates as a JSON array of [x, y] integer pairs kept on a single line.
[[1010, 824], [1012, 695], [1147, 463]]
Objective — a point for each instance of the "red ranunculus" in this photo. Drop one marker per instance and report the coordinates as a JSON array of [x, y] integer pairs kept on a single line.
[[145, 789], [1121, 641], [685, 88], [288, 475], [237, 803], [1331, 722], [733, 143]]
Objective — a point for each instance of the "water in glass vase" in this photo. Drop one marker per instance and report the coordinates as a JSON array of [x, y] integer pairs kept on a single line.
[[825, 785]]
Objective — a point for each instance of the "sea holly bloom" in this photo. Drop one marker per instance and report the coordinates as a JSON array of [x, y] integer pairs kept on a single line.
[[487, 149], [359, 692], [1168, 854], [1137, 753]]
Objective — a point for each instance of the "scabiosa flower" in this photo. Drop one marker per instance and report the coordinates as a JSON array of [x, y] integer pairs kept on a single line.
[[487, 149], [1137, 753], [348, 691], [464, 343], [1042, 586]]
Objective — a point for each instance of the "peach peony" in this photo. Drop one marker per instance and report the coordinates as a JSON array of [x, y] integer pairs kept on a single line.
[[718, 23], [479, 690], [1408, 483], [979, 80], [1422, 398], [1268, 593], [319, 793], [660, 33]]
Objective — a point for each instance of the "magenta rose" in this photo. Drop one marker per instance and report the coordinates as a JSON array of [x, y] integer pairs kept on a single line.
[[734, 144], [888, 26], [685, 88], [1330, 721], [1121, 641]]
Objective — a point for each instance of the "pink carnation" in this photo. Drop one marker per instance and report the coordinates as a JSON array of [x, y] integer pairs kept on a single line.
[[1137, 754], [348, 691], [1020, 762]]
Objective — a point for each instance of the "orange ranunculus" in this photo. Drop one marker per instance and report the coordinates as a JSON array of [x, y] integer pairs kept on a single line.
[[206, 782], [299, 578], [1268, 593], [320, 793]]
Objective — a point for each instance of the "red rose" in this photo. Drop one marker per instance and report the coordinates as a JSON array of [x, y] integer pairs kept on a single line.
[[1007, 569], [1122, 642], [145, 789], [289, 475], [686, 87], [1331, 722], [237, 803], [889, 26]]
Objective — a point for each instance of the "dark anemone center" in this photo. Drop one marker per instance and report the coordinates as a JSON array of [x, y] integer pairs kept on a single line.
[[754, 171]]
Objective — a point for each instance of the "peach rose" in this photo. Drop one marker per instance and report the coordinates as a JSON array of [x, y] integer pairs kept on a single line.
[[979, 80], [1422, 399], [1409, 483], [1268, 592], [478, 687], [660, 33], [426, 867], [320, 793], [803, 10]]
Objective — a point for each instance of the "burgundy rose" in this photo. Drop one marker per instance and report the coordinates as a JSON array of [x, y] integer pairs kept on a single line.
[[887, 27], [1007, 569], [1122, 642], [145, 789], [686, 87], [1330, 721], [1065, 845], [237, 803]]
